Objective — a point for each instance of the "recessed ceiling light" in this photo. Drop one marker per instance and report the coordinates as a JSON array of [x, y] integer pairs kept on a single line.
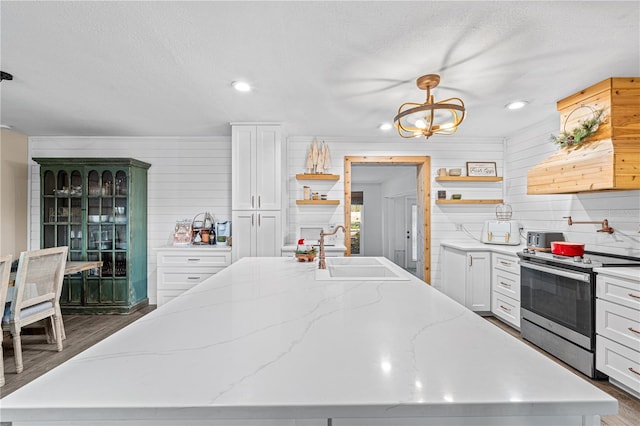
[[385, 126], [516, 105], [241, 86]]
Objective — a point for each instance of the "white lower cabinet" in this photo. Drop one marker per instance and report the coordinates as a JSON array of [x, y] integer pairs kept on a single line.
[[618, 330], [181, 268], [466, 277], [256, 233], [505, 288]]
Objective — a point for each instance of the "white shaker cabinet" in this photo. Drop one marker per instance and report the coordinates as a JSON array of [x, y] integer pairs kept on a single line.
[[618, 327], [181, 268], [466, 277], [256, 167], [256, 196], [256, 233], [505, 288]]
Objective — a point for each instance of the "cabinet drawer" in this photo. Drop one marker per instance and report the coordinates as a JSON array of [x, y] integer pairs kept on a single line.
[[618, 362], [618, 290], [618, 323], [165, 296], [182, 280], [506, 283], [506, 308], [195, 259], [506, 263]]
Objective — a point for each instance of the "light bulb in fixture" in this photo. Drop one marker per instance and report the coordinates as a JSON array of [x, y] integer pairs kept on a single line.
[[516, 105], [241, 86]]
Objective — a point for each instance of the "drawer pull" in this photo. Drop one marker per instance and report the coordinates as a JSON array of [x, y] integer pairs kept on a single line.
[[505, 284], [634, 371], [505, 263], [504, 308], [193, 278], [635, 296], [634, 330], [193, 260]]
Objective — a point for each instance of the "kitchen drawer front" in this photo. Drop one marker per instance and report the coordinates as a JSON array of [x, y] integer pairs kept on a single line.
[[618, 362], [165, 296], [506, 283], [618, 323], [618, 290], [506, 263], [193, 258], [506, 308], [171, 279]]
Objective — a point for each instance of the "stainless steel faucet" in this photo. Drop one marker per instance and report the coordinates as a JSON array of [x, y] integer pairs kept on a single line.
[[321, 262]]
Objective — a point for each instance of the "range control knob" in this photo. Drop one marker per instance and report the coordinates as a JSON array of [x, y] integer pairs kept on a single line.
[[577, 259], [587, 261]]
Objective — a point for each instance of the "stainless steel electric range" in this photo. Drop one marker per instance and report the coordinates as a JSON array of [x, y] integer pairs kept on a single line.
[[558, 303]]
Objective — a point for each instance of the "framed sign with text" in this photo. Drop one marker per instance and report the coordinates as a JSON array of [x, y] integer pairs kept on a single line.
[[481, 169]]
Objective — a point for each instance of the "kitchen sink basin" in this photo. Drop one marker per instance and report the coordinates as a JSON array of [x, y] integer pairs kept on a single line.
[[352, 261], [360, 269]]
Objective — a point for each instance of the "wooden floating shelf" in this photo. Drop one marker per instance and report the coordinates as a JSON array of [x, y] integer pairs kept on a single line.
[[469, 201], [318, 202], [469, 178], [317, 177]]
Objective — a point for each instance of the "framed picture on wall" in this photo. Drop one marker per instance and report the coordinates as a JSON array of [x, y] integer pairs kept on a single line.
[[481, 168]]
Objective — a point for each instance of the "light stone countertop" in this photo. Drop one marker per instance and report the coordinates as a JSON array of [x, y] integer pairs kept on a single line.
[[629, 272], [194, 247], [472, 245], [263, 339]]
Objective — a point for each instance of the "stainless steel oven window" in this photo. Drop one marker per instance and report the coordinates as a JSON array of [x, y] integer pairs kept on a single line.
[[562, 296]]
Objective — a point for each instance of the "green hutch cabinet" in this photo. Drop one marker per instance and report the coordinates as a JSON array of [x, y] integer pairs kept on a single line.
[[98, 207]]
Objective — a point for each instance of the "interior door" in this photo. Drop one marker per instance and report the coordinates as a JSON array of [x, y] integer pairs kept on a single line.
[[411, 231]]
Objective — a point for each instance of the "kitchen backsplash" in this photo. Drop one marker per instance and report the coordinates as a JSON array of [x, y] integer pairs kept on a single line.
[[546, 212]]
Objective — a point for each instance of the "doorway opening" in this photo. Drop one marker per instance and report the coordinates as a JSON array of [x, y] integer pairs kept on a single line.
[[356, 226], [418, 243]]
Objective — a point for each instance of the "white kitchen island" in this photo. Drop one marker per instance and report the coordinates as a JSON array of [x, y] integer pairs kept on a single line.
[[264, 343]]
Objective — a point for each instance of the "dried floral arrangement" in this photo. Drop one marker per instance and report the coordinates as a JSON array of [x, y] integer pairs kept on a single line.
[[585, 129]]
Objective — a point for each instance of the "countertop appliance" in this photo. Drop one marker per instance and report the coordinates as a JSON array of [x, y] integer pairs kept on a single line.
[[223, 229], [506, 232], [558, 303], [541, 240]]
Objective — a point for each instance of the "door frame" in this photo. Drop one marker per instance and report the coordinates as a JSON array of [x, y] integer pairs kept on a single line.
[[423, 197]]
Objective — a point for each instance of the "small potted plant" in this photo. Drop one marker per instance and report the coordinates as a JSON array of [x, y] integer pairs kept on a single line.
[[305, 253]]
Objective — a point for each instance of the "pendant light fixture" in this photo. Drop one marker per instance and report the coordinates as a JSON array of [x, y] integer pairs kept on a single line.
[[443, 117]]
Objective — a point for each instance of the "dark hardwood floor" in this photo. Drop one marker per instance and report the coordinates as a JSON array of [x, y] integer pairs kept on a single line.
[[83, 331], [38, 357], [628, 405]]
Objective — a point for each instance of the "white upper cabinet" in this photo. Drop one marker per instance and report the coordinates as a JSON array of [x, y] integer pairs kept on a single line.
[[257, 167]]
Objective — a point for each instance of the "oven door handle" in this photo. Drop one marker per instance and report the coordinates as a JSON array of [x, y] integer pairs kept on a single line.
[[557, 271]]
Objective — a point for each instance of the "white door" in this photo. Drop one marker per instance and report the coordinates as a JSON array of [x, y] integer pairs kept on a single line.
[[268, 165], [454, 273], [244, 234], [243, 191], [268, 240], [411, 231]]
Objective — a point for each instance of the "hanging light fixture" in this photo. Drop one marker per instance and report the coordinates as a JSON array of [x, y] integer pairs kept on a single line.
[[431, 117]]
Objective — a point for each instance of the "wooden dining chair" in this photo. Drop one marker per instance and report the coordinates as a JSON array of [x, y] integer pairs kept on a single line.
[[5, 269], [36, 295]]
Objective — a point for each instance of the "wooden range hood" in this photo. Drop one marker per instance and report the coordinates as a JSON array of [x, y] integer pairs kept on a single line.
[[607, 160]]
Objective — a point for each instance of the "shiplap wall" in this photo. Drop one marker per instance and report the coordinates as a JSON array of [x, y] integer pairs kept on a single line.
[[545, 212], [187, 176], [193, 175], [445, 151]]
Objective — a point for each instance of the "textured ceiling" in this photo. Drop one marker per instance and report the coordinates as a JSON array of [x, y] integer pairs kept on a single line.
[[321, 68]]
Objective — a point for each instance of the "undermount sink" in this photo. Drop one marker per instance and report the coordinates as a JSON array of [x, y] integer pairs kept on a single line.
[[360, 269]]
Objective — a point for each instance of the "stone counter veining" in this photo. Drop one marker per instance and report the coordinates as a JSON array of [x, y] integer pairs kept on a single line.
[[263, 340]]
